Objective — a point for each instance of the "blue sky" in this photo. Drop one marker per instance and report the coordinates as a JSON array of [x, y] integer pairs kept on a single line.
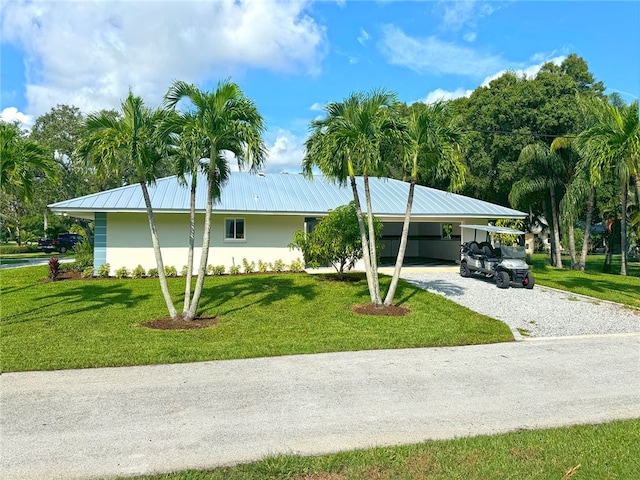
[[293, 57]]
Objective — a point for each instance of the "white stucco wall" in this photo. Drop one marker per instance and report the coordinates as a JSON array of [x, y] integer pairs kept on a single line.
[[266, 238]]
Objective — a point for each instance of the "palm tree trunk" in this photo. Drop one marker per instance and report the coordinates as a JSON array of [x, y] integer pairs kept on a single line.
[[557, 260], [587, 229], [192, 235], [363, 238], [158, 253], [403, 245], [624, 196], [372, 242], [572, 244], [206, 241]]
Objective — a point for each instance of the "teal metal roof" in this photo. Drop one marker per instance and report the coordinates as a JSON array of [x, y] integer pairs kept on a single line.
[[286, 194]]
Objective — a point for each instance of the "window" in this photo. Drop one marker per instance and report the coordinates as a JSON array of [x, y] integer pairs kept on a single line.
[[447, 231], [234, 229]]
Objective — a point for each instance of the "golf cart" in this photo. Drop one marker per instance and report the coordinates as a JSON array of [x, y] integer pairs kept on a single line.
[[506, 262]]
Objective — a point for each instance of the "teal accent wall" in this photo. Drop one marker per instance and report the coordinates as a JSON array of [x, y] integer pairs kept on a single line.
[[99, 241]]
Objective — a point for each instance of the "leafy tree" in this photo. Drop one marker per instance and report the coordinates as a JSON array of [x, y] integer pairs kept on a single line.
[[351, 138], [432, 143], [229, 122], [129, 146], [335, 240]]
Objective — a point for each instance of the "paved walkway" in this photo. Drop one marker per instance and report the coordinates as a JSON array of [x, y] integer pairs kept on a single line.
[[137, 420]]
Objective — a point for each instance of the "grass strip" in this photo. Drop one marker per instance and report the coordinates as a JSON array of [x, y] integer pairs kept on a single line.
[[593, 452], [592, 282], [97, 323]]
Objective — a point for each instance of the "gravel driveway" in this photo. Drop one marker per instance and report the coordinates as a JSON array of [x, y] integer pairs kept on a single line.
[[541, 312]]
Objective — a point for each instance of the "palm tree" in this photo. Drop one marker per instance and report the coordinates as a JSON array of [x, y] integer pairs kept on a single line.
[[544, 177], [228, 122], [351, 138], [128, 145], [612, 144], [21, 161], [432, 142], [187, 150]]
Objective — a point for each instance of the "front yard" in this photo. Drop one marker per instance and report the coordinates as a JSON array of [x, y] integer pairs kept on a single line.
[[97, 323]]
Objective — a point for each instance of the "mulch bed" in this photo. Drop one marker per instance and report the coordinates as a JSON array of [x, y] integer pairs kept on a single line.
[[167, 323], [383, 310]]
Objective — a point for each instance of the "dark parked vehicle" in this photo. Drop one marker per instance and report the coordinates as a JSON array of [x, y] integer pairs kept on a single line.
[[62, 243]]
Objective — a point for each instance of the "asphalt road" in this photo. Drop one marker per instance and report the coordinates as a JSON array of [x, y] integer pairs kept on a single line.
[[137, 420]]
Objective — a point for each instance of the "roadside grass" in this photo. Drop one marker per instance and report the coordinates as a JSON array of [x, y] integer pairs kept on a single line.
[[12, 261], [5, 258], [97, 323], [592, 282], [605, 451]]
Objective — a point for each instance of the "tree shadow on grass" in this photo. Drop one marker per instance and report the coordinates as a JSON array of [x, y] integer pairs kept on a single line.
[[94, 296], [246, 291], [600, 285]]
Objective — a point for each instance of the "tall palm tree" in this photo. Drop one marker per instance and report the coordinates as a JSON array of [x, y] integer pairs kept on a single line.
[[21, 161], [228, 122], [544, 177], [128, 145], [432, 142], [351, 138], [187, 149], [612, 144]]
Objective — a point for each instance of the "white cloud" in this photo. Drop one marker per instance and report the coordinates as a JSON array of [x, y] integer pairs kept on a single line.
[[458, 13], [525, 71], [316, 107], [431, 55], [12, 114], [470, 37], [445, 95], [363, 38], [90, 53], [285, 153]]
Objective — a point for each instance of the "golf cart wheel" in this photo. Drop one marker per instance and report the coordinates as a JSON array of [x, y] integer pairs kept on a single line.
[[465, 271], [63, 249], [502, 279], [528, 281]]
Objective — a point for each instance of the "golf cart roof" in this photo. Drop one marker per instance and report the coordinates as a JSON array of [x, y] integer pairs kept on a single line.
[[492, 229]]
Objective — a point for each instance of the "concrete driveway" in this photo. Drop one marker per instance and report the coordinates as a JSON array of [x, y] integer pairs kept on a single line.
[[137, 420]]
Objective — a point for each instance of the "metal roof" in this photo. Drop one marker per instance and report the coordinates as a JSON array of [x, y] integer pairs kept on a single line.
[[291, 194]]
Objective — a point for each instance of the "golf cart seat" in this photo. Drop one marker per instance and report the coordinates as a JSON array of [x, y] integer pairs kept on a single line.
[[489, 253]]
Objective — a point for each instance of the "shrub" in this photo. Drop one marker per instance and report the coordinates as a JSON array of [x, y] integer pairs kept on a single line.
[[87, 273], [263, 267], [297, 266], [209, 269], [170, 271], [54, 268], [122, 272], [279, 266], [153, 272], [12, 249], [183, 271], [234, 270], [218, 269], [335, 240], [138, 272], [248, 267], [103, 270]]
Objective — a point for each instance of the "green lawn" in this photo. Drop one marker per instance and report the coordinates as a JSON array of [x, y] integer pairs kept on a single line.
[[592, 282], [607, 451], [96, 323]]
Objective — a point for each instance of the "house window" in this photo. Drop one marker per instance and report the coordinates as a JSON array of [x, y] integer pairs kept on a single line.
[[234, 229]]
